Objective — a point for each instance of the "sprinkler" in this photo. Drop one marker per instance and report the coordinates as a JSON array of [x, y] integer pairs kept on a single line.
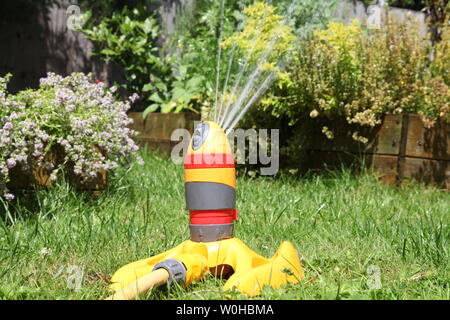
[[210, 187]]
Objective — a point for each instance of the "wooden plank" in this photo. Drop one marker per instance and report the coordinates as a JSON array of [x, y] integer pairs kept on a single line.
[[402, 154], [436, 172], [161, 145], [138, 121], [433, 143], [386, 166], [319, 160], [386, 140], [161, 126], [156, 130], [399, 149]]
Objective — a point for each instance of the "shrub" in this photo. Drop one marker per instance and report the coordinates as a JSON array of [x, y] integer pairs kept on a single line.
[[264, 31], [358, 75], [129, 38], [73, 113], [195, 45], [183, 74]]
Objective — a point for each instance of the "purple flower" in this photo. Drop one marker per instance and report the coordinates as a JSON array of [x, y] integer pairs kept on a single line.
[[64, 143], [11, 163], [8, 126], [9, 197], [5, 140], [70, 108], [134, 97]]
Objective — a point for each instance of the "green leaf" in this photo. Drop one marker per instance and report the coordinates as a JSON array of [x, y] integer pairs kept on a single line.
[[161, 86], [149, 109], [180, 108], [148, 87], [109, 52], [168, 107], [183, 71], [195, 83], [181, 94], [155, 97]]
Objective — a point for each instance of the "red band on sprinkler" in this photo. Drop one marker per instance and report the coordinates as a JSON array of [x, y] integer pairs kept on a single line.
[[208, 161], [213, 216]]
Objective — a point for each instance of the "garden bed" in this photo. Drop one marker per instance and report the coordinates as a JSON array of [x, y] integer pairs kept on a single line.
[[400, 148]]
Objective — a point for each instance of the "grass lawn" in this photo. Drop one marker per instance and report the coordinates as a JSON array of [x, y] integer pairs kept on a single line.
[[342, 226]]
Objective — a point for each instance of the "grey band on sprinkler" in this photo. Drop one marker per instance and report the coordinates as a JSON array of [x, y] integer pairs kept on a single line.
[[209, 196], [176, 269], [211, 232]]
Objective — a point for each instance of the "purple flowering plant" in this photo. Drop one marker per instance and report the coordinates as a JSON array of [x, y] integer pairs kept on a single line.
[[72, 112]]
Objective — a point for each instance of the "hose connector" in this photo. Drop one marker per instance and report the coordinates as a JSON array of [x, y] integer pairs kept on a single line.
[[175, 268]]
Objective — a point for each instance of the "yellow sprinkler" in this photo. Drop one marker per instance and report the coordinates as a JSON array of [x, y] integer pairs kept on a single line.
[[210, 185]]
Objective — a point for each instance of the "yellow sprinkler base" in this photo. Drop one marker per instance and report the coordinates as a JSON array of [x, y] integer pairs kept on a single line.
[[249, 271]]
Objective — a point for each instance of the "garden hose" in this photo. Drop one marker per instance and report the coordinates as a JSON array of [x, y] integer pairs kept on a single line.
[[141, 285]]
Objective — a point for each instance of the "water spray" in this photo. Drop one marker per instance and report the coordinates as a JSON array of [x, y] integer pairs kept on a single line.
[[210, 188]]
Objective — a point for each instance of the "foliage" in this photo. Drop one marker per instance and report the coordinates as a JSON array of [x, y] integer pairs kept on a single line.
[[70, 112], [101, 9], [358, 75], [180, 97], [265, 38], [196, 46], [129, 38], [436, 83], [264, 30], [307, 15], [184, 75]]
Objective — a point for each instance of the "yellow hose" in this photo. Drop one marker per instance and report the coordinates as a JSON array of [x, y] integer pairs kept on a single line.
[[141, 285]]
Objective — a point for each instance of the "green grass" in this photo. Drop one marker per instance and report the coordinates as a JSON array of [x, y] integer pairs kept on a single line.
[[340, 224]]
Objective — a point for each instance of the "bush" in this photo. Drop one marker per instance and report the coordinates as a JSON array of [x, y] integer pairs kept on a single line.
[[129, 38], [358, 75], [183, 74], [73, 113]]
